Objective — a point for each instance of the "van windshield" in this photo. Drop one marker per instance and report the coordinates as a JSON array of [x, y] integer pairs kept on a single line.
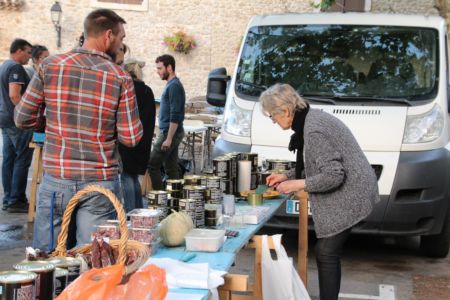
[[345, 63]]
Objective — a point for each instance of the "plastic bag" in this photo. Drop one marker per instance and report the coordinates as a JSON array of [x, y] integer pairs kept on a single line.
[[280, 280], [95, 284], [148, 283]]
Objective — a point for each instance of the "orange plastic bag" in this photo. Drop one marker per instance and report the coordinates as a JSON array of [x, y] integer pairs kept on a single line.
[[147, 283], [95, 284]]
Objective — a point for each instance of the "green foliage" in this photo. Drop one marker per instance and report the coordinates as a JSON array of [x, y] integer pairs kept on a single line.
[[180, 42], [324, 4]]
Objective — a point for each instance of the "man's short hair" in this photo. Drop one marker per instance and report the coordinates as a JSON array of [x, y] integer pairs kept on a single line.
[[166, 59], [37, 50], [18, 44], [101, 20]]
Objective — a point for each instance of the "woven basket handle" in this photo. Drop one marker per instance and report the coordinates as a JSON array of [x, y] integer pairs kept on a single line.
[[62, 238]]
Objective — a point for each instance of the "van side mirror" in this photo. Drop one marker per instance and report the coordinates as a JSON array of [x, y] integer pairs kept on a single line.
[[216, 92]]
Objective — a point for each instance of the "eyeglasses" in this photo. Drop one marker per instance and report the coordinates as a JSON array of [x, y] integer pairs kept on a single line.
[[272, 115]]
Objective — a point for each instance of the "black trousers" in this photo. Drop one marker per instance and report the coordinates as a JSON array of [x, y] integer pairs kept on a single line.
[[328, 258]]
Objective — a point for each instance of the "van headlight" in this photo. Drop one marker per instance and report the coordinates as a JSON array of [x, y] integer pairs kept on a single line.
[[237, 121], [424, 128]]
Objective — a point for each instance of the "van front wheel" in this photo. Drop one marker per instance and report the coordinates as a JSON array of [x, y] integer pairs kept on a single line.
[[437, 245]]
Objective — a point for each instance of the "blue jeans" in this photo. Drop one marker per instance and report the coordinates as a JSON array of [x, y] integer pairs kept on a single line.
[[17, 157], [132, 194], [328, 259], [53, 197]]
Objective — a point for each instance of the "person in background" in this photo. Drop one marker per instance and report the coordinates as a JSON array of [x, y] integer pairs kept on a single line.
[[134, 160], [342, 185], [17, 154], [119, 57], [90, 106], [38, 53], [171, 116]]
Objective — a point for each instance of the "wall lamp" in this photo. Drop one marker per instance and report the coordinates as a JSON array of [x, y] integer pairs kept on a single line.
[[56, 13]]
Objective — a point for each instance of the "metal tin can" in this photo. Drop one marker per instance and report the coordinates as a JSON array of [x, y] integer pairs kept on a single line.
[[277, 164], [262, 177], [211, 222], [253, 181], [176, 193], [192, 180], [17, 285], [72, 265], [222, 167], [61, 279], [226, 186], [194, 192], [157, 198], [174, 184], [45, 280], [213, 182], [174, 202], [187, 205], [214, 195]]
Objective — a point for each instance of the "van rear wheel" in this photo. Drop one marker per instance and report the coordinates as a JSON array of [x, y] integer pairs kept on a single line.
[[437, 245]]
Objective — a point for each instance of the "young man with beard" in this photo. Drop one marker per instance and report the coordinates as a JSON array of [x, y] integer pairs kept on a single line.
[[90, 105], [171, 117]]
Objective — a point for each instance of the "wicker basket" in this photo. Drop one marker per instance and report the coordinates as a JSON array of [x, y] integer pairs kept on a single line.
[[123, 244]]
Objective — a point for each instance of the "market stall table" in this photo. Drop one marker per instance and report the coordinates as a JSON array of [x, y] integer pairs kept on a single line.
[[223, 259]]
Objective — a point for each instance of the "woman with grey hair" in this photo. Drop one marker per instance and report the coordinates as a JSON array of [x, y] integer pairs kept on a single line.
[[134, 160], [332, 168]]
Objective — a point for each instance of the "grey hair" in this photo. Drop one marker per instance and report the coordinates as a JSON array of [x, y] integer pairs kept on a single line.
[[134, 67], [279, 96]]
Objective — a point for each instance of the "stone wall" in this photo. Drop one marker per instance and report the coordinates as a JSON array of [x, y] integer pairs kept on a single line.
[[217, 26]]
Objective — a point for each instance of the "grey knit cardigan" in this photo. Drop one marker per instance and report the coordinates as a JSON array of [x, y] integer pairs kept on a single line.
[[342, 185]]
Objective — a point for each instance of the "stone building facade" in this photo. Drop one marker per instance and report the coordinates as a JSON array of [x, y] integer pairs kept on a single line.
[[217, 26]]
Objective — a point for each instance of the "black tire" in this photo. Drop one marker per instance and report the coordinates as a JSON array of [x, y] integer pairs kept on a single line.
[[437, 245]]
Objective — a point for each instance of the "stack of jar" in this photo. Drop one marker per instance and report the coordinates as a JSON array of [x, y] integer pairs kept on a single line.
[[39, 279], [226, 166], [159, 200], [144, 227], [198, 194], [175, 189]]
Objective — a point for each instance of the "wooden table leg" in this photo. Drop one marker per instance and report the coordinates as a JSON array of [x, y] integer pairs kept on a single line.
[[303, 237], [37, 170]]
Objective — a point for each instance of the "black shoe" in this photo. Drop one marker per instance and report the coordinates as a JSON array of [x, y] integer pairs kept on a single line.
[[18, 207], [5, 207]]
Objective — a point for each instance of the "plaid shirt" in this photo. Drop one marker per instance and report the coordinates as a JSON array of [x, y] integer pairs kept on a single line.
[[89, 103]]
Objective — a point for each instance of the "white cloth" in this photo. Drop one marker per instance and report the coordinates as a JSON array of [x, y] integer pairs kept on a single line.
[[187, 275]]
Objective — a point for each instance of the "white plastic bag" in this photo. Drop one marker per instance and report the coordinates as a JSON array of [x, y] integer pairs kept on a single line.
[[280, 280]]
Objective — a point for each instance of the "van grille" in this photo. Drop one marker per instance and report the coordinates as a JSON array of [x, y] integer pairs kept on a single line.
[[355, 111], [377, 169]]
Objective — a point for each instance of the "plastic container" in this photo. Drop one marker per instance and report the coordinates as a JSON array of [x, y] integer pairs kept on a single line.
[[153, 246], [207, 240], [108, 230], [144, 235], [144, 218]]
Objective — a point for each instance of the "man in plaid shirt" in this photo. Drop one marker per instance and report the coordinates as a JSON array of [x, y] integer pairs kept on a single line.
[[89, 105]]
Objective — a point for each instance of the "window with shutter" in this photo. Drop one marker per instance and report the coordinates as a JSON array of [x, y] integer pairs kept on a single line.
[[141, 5], [350, 5]]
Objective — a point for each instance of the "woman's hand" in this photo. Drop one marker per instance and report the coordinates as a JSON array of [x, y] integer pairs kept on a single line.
[[290, 186], [274, 179]]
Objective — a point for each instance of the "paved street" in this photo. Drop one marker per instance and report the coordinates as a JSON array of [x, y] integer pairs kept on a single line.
[[371, 265]]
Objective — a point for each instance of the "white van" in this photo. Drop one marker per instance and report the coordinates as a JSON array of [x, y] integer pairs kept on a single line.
[[385, 76]]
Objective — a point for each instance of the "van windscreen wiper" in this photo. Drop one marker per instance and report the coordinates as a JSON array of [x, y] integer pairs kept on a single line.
[[376, 98], [314, 98], [252, 85]]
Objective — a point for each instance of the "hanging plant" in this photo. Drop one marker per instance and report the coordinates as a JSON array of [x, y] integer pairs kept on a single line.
[[180, 42]]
